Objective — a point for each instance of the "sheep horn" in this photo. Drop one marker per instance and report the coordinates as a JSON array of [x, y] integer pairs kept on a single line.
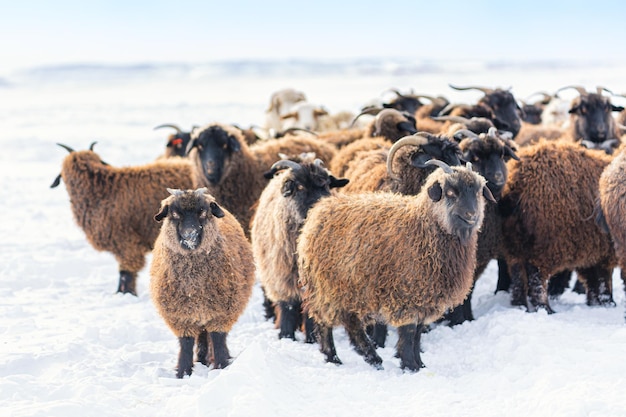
[[56, 182], [427, 97], [483, 89], [455, 119], [493, 132], [92, 145], [600, 89], [546, 97], [418, 139], [467, 133], [67, 148], [201, 191], [581, 90], [175, 191], [294, 129], [318, 163], [446, 168], [280, 165], [447, 109], [368, 110], [169, 125]]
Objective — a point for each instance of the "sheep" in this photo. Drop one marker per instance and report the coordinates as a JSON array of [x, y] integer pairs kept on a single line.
[[176, 142], [282, 208], [281, 102], [591, 117], [612, 212], [201, 276], [547, 207], [488, 154], [403, 168], [388, 126], [406, 270], [233, 171], [500, 103], [113, 204]]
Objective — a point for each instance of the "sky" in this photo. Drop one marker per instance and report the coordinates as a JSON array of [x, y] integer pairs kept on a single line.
[[45, 33]]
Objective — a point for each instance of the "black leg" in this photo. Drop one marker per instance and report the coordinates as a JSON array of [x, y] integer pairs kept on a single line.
[[377, 333], [504, 279], [327, 343], [579, 287], [599, 285], [220, 350], [518, 285], [309, 329], [406, 347], [537, 294], [461, 313], [268, 307], [558, 283], [360, 341], [203, 348], [288, 319], [127, 283], [185, 356], [417, 350]]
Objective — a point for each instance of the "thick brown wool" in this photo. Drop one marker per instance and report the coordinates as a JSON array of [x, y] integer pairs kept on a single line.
[[548, 203], [613, 204], [115, 206], [206, 288], [384, 255]]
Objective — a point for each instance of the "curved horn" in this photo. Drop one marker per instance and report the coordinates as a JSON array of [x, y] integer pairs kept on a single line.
[[493, 132], [483, 89], [56, 181], [201, 191], [92, 145], [67, 148], [446, 168], [318, 163], [294, 129], [368, 110], [174, 191], [169, 125], [581, 90], [418, 139], [546, 97], [467, 133], [280, 165], [455, 119], [600, 89]]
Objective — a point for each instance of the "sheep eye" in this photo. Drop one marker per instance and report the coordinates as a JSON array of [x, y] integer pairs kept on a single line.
[[300, 187], [202, 214], [475, 159], [175, 215], [450, 193]]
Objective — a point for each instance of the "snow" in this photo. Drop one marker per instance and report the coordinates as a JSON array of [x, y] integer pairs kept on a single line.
[[71, 346]]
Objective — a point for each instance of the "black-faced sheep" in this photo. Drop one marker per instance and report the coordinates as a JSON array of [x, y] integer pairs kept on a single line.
[[405, 270], [548, 222], [176, 142], [282, 208], [114, 206], [202, 274], [233, 171]]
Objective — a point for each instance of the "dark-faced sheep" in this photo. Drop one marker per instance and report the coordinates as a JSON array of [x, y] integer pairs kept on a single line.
[[548, 208], [233, 171], [176, 142], [406, 270], [114, 206], [202, 274], [282, 208]]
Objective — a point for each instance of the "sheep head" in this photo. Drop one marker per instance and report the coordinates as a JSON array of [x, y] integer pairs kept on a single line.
[[212, 147], [176, 142], [591, 117]]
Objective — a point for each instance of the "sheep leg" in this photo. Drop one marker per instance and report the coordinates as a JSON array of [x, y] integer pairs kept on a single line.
[[221, 355], [537, 293], [203, 347], [504, 279], [558, 283], [327, 343], [185, 356], [377, 333], [417, 350], [288, 319], [518, 285], [268, 306], [599, 285], [309, 329], [406, 348], [462, 312], [127, 282], [360, 341]]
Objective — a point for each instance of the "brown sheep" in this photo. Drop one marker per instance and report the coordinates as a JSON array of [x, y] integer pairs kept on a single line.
[[547, 207], [114, 205], [282, 208], [405, 270], [233, 171], [202, 274]]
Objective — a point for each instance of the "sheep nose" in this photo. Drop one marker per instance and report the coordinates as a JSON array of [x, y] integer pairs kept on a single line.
[[498, 177], [189, 234]]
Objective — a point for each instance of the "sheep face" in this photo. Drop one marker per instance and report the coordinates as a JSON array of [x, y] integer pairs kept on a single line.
[[440, 148], [188, 213], [394, 124], [177, 143], [488, 156], [506, 111], [591, 118], [459, 203], [306, 186], [215, 146]]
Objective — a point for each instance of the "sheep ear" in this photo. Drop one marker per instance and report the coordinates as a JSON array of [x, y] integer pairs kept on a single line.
[[573, 110], [234, 144], [288, 188], [338, 182], [216, 210], [435, 192], [487, 194], [616, 108], [510, 153], [161, 214]]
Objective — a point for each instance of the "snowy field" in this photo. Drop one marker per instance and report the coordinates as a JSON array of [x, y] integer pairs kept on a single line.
[[70, 346]]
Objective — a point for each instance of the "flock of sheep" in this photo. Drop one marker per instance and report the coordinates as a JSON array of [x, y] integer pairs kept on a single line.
[[364, 223]]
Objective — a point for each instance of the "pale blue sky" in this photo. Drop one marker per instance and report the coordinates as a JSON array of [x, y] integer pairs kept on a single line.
[[112, 31]]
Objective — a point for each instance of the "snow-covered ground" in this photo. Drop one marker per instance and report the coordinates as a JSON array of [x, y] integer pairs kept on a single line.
[[71, 346]]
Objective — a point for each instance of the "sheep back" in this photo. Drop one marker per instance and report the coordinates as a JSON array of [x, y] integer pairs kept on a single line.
[[613, 204]]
